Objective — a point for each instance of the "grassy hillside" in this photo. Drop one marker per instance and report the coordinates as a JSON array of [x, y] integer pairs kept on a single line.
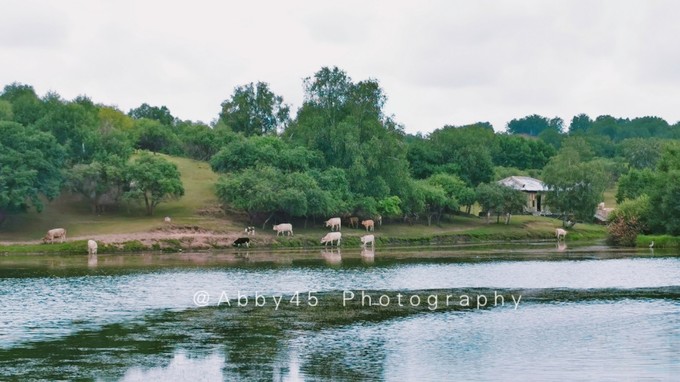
[[199, 208], [73, 214]]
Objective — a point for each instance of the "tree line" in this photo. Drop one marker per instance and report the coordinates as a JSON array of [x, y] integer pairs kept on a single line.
[[339, 154]]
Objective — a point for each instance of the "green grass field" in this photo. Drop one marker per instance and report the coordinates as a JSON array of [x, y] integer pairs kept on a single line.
[[75, 215]]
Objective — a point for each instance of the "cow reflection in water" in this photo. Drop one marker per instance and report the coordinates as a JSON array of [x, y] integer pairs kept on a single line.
[[92, 260], [561, 246], [332, 257], [368, 256]]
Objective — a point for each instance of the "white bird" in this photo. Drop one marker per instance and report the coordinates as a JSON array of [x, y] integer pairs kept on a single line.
[[651, 246]]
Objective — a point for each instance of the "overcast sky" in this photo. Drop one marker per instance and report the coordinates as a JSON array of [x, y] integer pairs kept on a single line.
[[438, 62]]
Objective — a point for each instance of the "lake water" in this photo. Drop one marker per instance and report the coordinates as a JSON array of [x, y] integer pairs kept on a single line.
[[586, 313]]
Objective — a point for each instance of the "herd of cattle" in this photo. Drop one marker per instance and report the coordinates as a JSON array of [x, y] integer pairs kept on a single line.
[[284, 229]]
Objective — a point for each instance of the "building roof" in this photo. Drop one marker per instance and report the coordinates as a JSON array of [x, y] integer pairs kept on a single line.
[[524, 183]]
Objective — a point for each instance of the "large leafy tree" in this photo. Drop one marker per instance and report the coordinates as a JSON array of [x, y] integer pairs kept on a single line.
[[496, 199], [520, 152], [640, 152], [201, 142], [254, 109], [100, 183], [534, 125], [153, 180], [265, 192], [634, 184], [30, 162], [26, 105], [580, 124], [73, 124], [464, 151], [344, 121], [577, 185], [664, 193], [154, 136], [157, 113], [242, 152]]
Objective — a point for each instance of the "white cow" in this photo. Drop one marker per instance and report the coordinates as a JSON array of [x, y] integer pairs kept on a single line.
[[167, 219], [283, 229], [330, 238], [91, 247], [333, 222], [367, 239], [55, 233], [560, 233]]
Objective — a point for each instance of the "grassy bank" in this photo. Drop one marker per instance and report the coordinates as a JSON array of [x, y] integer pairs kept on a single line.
[[198, 223]]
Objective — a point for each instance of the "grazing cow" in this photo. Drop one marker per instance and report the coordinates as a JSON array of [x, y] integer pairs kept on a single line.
[[333, 222], [283, 229], [354, 222], [330, 238], [167, 219], [242, 241], [561, 234], [367, 239], [369, 224], [91, 247], [55, 233], [250, 230]]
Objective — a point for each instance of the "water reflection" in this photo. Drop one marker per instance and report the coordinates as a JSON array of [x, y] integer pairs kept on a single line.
[[332, 257], [132, 317], [368, 256], [180, 368], [92, 260], [544, 341], [561, 246]]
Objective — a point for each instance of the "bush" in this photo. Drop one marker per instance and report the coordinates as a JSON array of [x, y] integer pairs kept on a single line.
[[623, 232]]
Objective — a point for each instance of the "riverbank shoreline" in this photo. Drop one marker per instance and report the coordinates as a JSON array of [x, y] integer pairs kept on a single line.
[[194, 238]]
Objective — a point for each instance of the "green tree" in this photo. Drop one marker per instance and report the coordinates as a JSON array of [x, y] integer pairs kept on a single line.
[[344, 121], [202, 142], [521, 152], [634, 184], [71, 123], [580, 124], [160, 114], [154, 180], [264, 192], [640, 152], [6, 113], [534, 125], [153, 136], [664, 193], [30, 162], [241, 153], [500, 200], [576, 185], [435, 201], [465, 151], [255, 110], [99, 183], [390, 207], [26, 105]]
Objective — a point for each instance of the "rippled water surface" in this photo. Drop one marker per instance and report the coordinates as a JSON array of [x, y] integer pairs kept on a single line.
[[584, 314]]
